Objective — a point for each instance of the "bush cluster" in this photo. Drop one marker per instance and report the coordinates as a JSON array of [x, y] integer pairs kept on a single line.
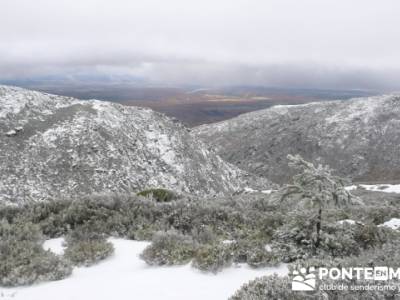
[[159, 195], [170, 248], [250, 220], [274, 287], [293, 240], [85, 247], [206, 252], [214, 257], [23, 259]]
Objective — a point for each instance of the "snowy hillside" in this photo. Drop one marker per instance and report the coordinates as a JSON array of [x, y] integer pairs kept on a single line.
[[53, 146], [360, 138]]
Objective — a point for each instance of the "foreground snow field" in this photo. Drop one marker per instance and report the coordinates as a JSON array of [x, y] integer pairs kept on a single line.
[[126, 276]]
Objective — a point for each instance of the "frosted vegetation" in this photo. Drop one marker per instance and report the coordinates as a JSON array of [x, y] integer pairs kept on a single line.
[[296, 224]]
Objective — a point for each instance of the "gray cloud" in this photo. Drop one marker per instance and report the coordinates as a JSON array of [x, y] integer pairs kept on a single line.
[[308, 43]]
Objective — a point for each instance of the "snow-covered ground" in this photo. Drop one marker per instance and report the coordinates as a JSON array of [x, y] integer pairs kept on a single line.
[[55, 245], [387, 188], [250, 191], [126, 276], [392, 223], [348, 221]]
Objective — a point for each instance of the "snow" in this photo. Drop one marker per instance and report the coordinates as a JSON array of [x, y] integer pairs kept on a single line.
[[266, 191], [126, 276], [11, 132], [228, 242], [55, 245], [351, 188], [349, 221], [250, 191], [393, 223], [386, 188]]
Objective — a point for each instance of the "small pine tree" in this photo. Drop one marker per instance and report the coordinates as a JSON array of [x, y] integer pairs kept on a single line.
[[317, 186]]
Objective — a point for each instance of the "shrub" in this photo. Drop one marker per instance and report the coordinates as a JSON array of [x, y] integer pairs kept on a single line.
[[268, 287], [204, 235], [169, 248], [213, 258], [88, 252], [87, 248], [23, 259], [159, 195], [274, 287], [252, 250], [260, 257]]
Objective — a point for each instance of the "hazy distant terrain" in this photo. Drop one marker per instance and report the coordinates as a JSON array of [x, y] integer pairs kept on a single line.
[[193, 105]]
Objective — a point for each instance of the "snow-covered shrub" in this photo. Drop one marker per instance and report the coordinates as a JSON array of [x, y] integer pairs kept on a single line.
[[213, 258], [260, 257], [252, 249], [386, 255], [268, 287], [294, 239], [143, 233], [274, 287], [159, 195], [23, 259], [169, 248], [204, 235], [85, 247], [338, 241]]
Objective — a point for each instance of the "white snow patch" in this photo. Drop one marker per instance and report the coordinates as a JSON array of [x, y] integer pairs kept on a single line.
[[125, 276], [55, 245], [349, 221], [250, 190], [351, 188], [228, 242], [266, 191], [386, 188], [393, 223]]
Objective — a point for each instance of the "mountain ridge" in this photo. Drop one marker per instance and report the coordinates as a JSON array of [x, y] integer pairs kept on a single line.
[[358, 137], [55, 146]]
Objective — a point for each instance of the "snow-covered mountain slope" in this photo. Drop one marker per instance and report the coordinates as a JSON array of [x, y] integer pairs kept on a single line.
[[359, 137], [124, 276], [53, 146]]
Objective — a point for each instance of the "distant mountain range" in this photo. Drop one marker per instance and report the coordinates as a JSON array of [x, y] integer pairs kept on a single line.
[[360, 138], [59, 147]]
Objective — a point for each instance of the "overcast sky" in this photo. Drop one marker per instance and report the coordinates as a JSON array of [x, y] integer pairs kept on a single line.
[[297, 43]]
